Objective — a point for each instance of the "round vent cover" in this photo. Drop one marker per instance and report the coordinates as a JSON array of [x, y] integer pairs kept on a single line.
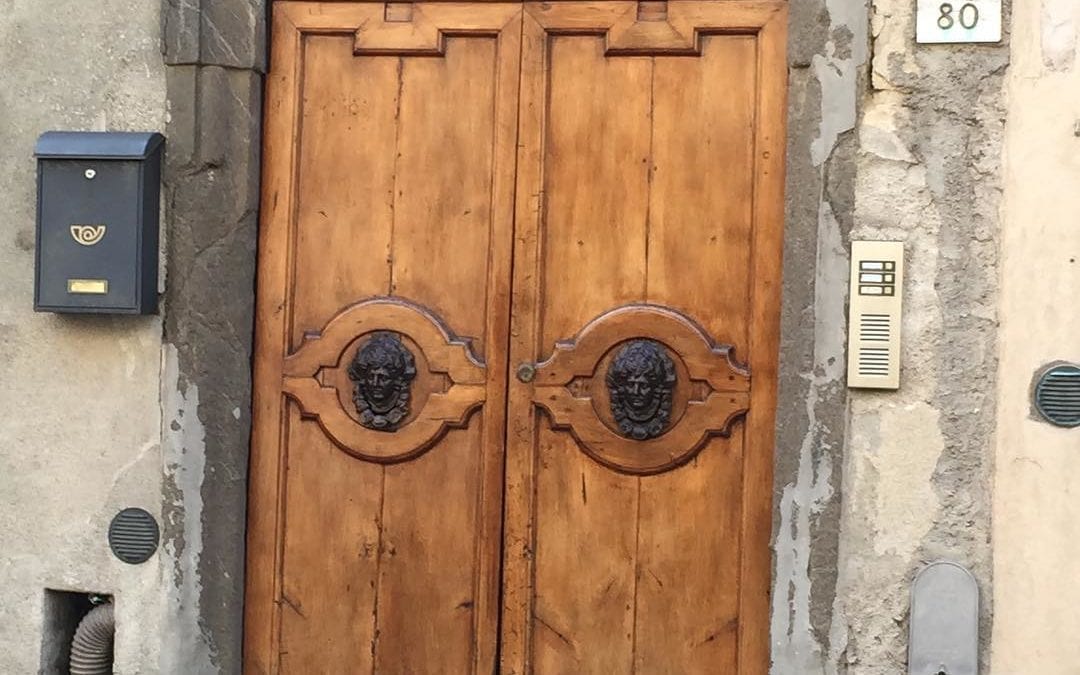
[[1057, 395], [133, 536]]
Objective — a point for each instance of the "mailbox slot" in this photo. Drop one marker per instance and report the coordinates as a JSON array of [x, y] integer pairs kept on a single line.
[[97, 222]]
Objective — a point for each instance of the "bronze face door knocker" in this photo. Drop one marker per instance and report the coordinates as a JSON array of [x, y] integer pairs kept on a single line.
[[640, 382], [382, 370]]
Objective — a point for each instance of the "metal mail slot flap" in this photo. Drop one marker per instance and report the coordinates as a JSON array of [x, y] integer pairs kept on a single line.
[[944, 630]]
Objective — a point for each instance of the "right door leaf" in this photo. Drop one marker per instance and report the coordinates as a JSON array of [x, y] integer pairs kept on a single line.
[[647, 258]]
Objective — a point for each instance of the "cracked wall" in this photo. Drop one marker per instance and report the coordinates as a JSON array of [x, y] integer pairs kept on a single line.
[[81, 434], [894, 141], [918, 461]]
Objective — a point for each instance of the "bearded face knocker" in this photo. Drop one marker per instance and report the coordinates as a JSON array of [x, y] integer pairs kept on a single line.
[[382, 370], [641, 380]]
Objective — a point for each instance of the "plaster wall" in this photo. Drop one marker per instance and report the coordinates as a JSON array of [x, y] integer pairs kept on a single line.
[[918, 461], [1036, 513], [81, 432], [906, 140]]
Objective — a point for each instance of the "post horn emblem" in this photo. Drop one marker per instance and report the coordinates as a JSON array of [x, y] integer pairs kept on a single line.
[[87, 235]]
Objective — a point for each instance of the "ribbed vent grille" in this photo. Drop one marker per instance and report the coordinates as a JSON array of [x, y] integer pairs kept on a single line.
[[874, 361], [133, 536], [875, 328], [1057, 395]]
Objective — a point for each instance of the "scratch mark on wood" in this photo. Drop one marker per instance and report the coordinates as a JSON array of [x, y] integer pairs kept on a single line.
[[559, 635], [294, 606]]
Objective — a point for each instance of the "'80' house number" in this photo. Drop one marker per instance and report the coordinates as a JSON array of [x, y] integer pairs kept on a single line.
[[945, 21]]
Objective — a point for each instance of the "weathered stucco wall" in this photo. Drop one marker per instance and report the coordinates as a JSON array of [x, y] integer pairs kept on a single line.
[[918, 462], [80, 436], [1036, 510], [889, 140], [827, 52]]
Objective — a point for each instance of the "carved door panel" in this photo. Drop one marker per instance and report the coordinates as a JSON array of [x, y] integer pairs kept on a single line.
[[644, 338], [383, 308]]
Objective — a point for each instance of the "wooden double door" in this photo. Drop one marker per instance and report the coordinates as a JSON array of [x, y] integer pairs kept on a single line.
[[518, 300]]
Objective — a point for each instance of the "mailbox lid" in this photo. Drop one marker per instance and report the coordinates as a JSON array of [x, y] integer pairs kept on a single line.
[[97, 145]]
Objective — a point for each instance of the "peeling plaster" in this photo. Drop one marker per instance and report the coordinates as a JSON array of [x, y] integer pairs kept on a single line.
[[837, 79], [916, 467], [185, 647], [837, 70], [879, 129], [797, 649], [798, 644], [881, 444]]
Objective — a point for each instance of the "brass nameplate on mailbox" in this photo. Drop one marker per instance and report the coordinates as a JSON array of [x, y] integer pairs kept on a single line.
[[88, 286]]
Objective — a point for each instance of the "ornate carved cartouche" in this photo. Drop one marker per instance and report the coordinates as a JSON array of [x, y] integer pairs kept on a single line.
[[641, 382], [382, 372]]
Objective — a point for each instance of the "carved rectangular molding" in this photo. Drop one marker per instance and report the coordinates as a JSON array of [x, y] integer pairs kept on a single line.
[[653, 28], [400, 28], [398, 11], [652, 10]]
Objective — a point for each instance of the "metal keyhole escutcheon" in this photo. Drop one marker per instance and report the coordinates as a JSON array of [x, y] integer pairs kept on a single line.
[[526, 372]]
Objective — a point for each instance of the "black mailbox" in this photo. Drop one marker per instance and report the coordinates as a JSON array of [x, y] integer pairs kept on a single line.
[[97, 226]]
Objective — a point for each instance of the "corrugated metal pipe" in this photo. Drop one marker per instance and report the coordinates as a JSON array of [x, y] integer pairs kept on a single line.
[[92, 646]]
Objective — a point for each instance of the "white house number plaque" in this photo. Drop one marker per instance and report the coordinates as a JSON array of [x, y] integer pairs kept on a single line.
[[950, 21]]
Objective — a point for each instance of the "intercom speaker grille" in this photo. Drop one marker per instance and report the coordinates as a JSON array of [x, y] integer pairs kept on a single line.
[[875, 328], [874, 361], [133, 535], [1057, 395]]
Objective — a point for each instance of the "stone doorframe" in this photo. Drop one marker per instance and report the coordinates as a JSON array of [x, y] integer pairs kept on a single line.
[[215, 51]]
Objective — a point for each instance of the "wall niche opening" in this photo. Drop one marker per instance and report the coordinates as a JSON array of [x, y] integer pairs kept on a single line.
[[62, 612]]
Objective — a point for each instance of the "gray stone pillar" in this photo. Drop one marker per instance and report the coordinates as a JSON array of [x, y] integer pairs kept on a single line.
[[216, 53]]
